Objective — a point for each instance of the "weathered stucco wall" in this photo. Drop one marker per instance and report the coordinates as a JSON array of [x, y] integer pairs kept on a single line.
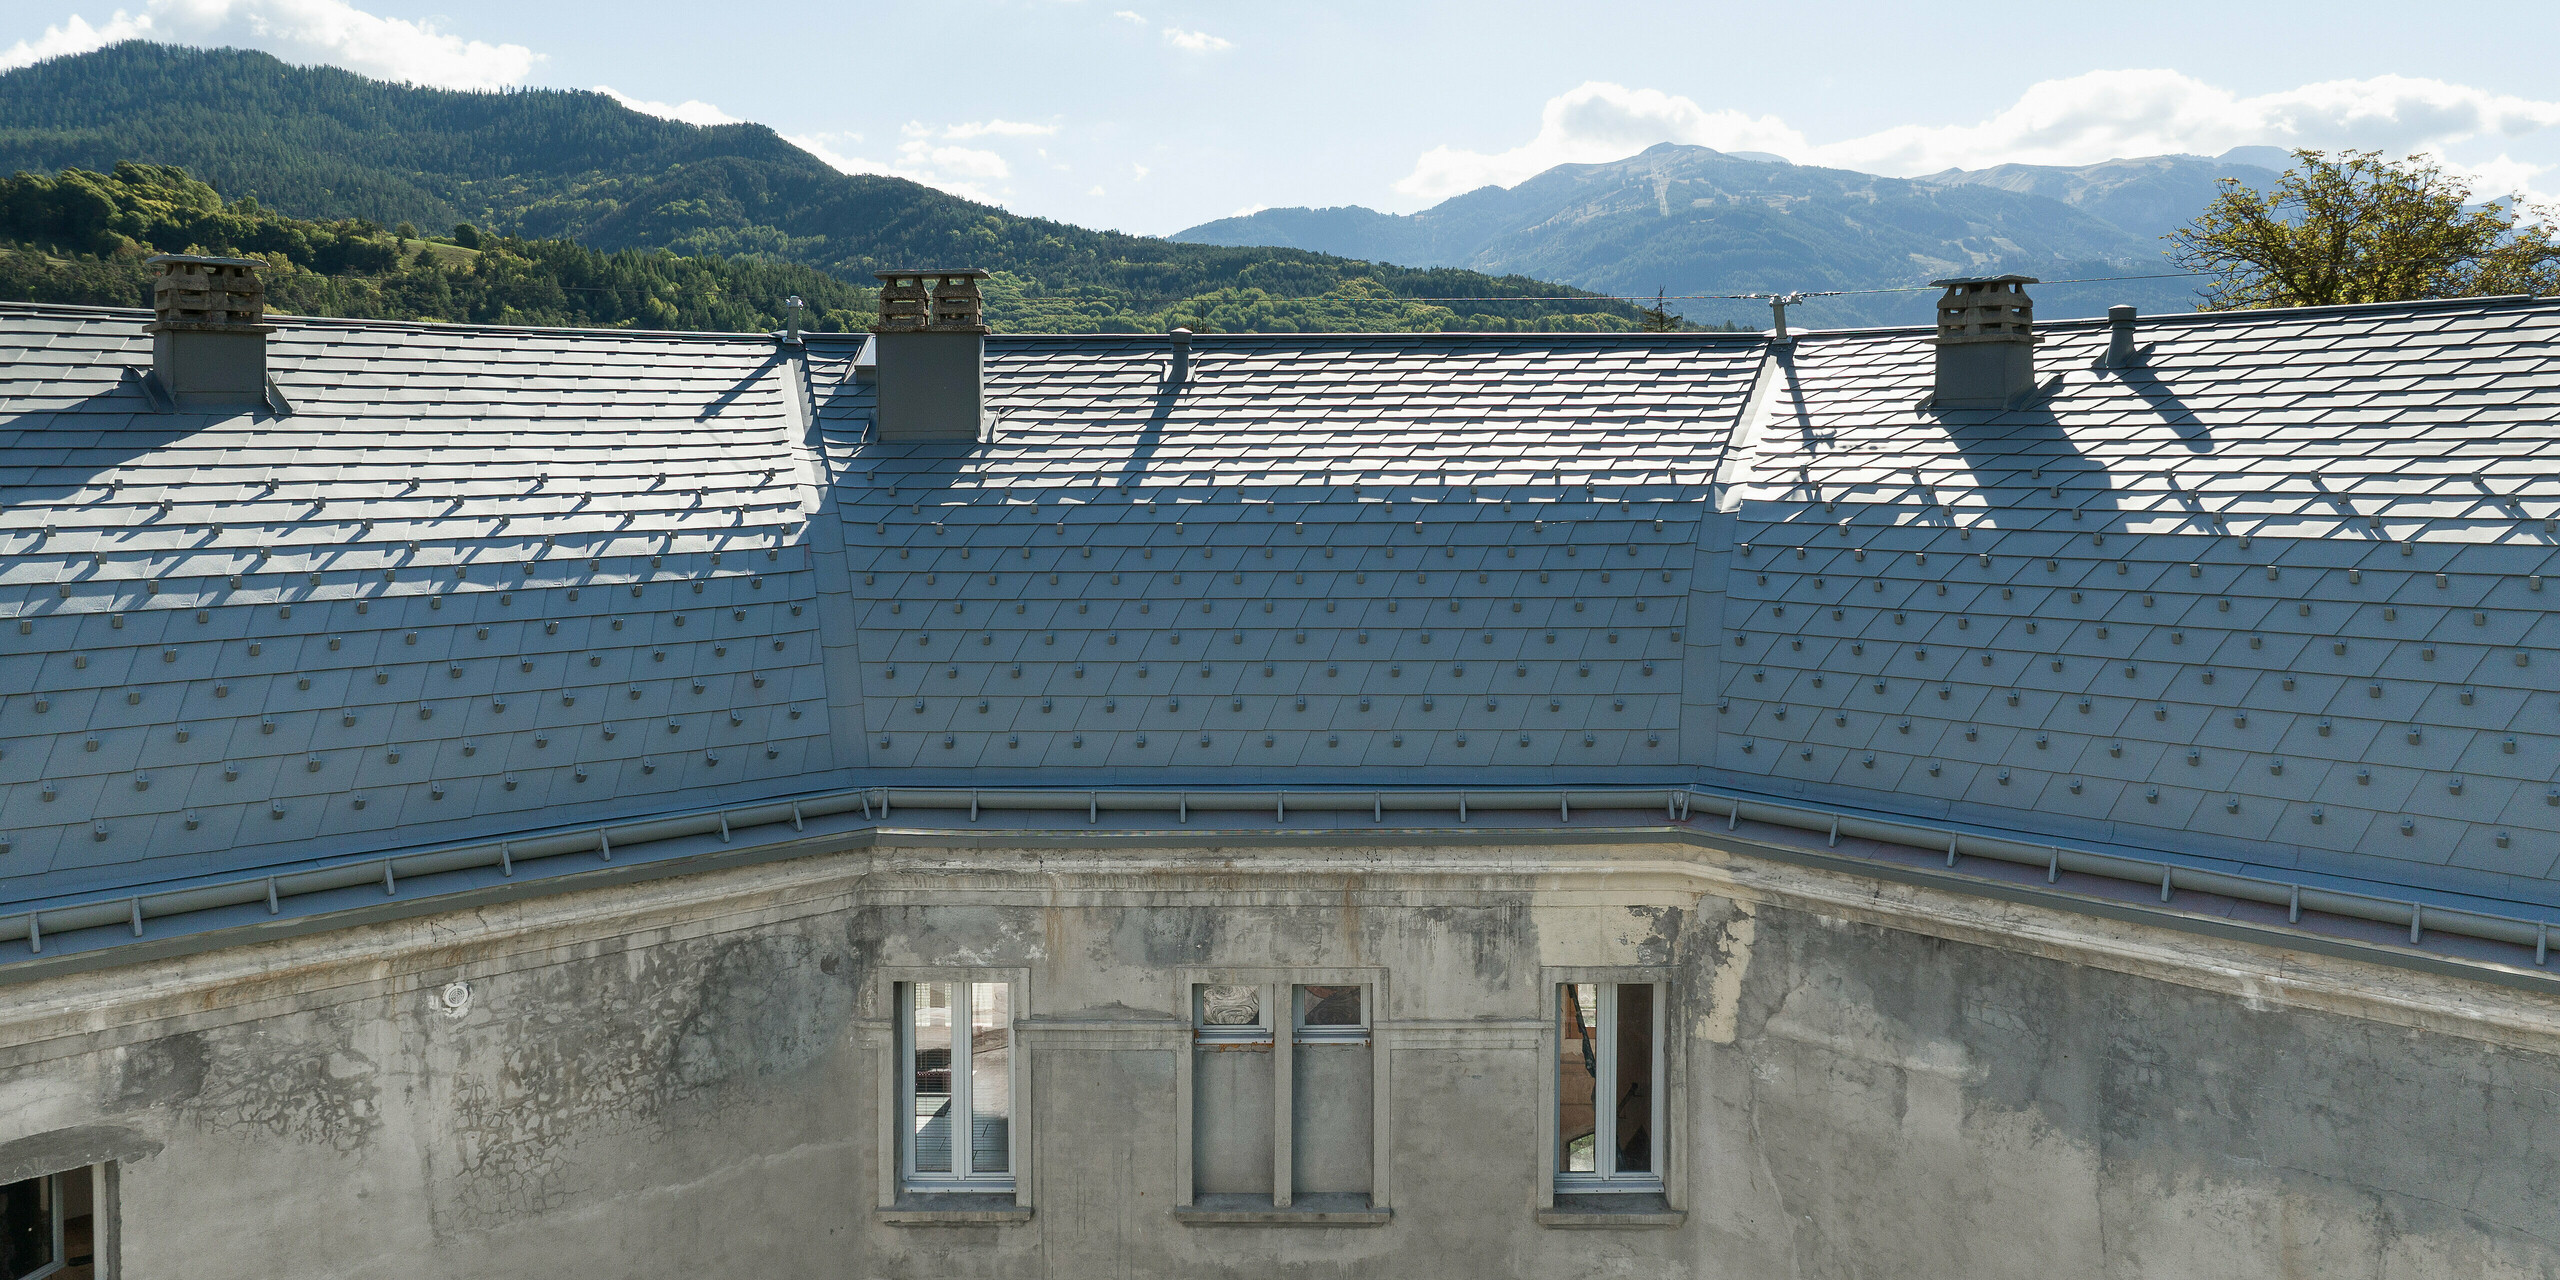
[[681, 1078]]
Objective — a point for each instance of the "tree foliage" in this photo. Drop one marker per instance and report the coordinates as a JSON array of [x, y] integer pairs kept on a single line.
[[542, 164], [2358, 228], [81, 236]]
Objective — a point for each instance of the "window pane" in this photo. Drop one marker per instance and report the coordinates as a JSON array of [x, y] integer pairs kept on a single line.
[[1634, 1130], [1236, 1006], [26, 1227], [1576, 1070], [1329, 1007], [930, 1013], [990, 1077]]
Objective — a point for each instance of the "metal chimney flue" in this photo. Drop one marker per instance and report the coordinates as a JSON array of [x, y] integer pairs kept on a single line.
[[209, 331], [931, 343], [1180, 374], [2120, 352], [1986, 342]]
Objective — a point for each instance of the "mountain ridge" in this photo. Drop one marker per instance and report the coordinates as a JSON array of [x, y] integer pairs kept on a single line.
[[1691, 220], [545, 164]]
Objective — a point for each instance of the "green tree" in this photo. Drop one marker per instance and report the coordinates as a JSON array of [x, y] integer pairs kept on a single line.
[[1657, 318], [2358, 228]]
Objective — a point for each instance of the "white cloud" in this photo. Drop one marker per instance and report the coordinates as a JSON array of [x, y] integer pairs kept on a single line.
[[2084, 119], [1128, 15], [915, 165], [689, 111], [2106, 114], [330, 32], [1248, 211], [998, 129], [960, 162], [961, 171], [1139, 169], [75, 35], [1195, 41], [1591, 123], [1097, 190]]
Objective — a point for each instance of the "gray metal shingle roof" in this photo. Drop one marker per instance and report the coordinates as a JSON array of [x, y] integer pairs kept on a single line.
[[478, 579], [2198, 606], [1399, 559], [2276, 595]]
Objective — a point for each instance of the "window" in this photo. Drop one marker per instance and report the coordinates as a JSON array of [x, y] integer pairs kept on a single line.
[[1283, 1090], [46, 1225], [1609, 1114], [955, 1049]]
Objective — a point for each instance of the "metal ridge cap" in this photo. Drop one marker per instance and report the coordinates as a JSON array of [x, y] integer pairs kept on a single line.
[[283, 322], [1466, 337]]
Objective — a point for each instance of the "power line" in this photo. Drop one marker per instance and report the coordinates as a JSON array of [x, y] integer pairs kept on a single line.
[[1762, 297]]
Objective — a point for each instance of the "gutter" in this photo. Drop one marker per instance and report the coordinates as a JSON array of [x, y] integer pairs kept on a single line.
[[104, 932]]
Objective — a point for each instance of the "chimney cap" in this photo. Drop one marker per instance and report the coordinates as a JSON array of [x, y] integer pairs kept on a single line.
[[1956, 282], [202, 260]]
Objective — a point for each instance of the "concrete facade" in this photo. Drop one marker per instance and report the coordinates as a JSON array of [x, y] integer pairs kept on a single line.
[[686, 1076]]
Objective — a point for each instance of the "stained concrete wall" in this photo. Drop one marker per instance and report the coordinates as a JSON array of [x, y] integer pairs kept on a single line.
[[682, 1079]]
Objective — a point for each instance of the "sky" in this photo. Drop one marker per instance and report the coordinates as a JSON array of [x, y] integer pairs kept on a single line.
[[1151, 117]]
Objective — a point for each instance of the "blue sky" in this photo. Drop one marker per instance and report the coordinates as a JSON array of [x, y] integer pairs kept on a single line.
[[1150, 117]]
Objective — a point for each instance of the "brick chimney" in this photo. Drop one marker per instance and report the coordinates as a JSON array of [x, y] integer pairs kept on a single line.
[[208, 330], [1986, 342], [931, 346]]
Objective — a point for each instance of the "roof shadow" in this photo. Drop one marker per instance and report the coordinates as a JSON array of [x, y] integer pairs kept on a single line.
[[97, 434], [718, 404], [2024, 453], [2142, 380]]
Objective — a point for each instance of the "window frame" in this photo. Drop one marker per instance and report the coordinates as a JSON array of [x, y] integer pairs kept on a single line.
[[53, 1205], [1668, 1177], [899, 1180], [1279, 987]]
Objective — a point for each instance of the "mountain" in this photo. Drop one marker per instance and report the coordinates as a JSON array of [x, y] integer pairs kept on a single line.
[[329, 145], [82, 238], [1692, 220]]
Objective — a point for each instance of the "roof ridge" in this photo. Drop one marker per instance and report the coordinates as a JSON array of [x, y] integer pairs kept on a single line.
[[289, 320]]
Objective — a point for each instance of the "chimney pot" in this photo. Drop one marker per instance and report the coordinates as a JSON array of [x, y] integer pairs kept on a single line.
[[2120, 353], [1986, 341], [208, 330], [1181, 339], [930, 345]]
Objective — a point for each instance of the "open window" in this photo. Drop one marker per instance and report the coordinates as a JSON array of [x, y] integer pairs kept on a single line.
[[48, 1226], [956, 1103], [1609, 1117]]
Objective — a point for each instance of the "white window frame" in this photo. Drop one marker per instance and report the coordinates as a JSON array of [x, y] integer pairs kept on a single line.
[[898, 1175], [1667, 1177]]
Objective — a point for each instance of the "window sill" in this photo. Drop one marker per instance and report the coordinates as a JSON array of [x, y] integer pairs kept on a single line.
[[1612, 1211], [1346, 1209], [956, 1209]]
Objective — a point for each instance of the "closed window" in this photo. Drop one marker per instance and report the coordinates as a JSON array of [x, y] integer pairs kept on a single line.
[[1608, 1098], [956, 1058], [1284, 1082]]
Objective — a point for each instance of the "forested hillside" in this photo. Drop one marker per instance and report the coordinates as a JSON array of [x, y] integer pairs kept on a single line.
[[329, 145], [81, 237]]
